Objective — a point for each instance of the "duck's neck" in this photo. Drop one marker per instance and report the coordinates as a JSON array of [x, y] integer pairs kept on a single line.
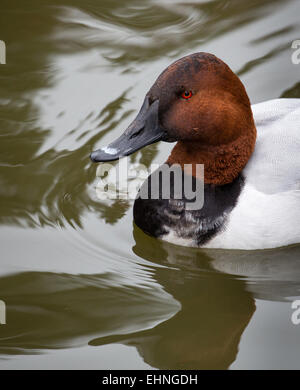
[[222, 163]]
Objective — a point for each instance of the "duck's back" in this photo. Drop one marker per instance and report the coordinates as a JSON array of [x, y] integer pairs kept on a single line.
[[275, 164]]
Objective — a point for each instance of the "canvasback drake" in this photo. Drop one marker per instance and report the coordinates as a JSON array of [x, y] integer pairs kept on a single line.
[[251, 177]]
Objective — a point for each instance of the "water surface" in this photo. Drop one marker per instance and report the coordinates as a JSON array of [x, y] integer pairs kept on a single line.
[[83, 287]]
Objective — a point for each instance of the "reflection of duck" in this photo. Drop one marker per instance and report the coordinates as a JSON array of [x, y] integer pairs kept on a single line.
[[252, 196], [215, 310], [216, 307], [274, 274], [191, 313]]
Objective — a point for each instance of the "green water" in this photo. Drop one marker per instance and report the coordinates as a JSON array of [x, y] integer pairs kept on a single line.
[[83, 288]]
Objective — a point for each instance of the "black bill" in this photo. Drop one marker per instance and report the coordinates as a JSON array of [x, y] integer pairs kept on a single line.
[[143, 131]]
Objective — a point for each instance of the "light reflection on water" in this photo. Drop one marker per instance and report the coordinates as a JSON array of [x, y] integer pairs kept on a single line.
[[75, 273]]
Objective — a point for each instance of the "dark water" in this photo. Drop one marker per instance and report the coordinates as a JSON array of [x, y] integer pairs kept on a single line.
[[83, 288]]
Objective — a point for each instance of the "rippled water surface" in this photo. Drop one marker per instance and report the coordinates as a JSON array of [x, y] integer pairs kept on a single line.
[[83, 287]]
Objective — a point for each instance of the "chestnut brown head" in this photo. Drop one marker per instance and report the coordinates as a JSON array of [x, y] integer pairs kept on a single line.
[[201, 99], [199, 102]]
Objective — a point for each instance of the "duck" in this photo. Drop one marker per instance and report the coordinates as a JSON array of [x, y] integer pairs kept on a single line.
[[250, 154]]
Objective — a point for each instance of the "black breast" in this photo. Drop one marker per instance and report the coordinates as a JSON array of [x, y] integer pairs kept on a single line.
[[157, 217]]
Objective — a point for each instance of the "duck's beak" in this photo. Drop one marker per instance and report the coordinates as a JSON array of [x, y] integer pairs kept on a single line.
[[143, 131]]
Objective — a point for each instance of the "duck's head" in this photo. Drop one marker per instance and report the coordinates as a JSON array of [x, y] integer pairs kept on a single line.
[[199, 102]]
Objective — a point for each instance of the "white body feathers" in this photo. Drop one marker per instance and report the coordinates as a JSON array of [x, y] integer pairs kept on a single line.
[[267, 214]]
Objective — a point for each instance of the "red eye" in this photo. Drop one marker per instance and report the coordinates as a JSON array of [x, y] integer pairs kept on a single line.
[[186, 95]]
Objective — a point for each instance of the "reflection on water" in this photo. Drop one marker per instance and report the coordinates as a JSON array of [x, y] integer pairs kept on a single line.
[[216, 305], [72, 272], [215, 309], [196, 320], [63, 310], [293, 92]]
